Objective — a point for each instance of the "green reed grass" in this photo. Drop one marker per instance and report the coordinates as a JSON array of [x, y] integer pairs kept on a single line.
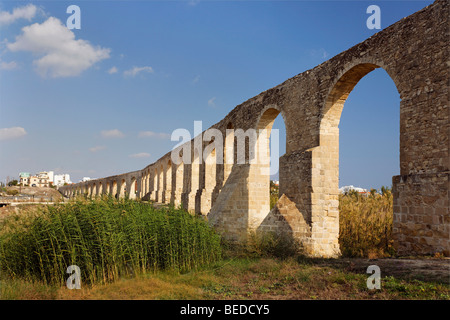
[[107, 239]]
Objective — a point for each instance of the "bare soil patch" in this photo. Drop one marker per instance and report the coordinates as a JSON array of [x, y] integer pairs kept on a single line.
[[409, 268]]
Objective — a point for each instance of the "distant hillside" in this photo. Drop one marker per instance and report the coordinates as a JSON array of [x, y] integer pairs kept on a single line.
[[37, 192]]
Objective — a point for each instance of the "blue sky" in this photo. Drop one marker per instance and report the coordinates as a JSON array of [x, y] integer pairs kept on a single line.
[[104, 99]]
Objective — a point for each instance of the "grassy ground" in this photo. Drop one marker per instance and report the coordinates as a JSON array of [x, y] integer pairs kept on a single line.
[[254, 274], [246, 277]]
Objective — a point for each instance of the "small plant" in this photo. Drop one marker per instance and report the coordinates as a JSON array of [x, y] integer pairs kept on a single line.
[[12, 192], [271, 244]]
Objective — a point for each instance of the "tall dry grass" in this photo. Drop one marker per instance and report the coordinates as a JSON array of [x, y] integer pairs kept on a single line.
[[365, 224]]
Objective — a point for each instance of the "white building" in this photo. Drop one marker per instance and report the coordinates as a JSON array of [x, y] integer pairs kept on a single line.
[[51, 176], [61, 179], [348, 188], [85, 179]]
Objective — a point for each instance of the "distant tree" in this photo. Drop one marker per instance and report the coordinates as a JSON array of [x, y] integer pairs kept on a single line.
[[13, 183], [12, 192], [385, 191]]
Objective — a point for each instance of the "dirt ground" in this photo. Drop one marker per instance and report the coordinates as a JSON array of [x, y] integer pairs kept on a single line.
[[420, 268]]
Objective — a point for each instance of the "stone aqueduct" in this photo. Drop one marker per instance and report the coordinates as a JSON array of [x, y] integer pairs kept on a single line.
[[235, 197]]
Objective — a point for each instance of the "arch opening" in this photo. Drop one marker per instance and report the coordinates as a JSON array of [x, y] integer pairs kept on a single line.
[[179, 184], [168, 183], [123, 189], [133, 188], [358, 163], [266, 168]]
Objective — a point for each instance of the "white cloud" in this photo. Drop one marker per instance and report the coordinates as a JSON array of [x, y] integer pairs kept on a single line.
[[140, 155], [97, 148], [193, 3], [211, 102], [114, 133], [135, 70], [12, 133], [319, 53], [196, 79], [8, 65], [113, 70], [26, 12], [147, 134], [61, 54]]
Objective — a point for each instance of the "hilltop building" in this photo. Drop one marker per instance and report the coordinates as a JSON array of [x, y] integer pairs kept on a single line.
[[24, 178], [61, 179], [43, 179], [351, 187]]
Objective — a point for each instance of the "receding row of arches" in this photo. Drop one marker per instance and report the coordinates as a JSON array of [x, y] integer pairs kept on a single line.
[[118, 188], [308, 174]]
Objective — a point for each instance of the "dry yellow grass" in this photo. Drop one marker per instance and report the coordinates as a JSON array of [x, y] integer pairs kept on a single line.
[[365, 224]]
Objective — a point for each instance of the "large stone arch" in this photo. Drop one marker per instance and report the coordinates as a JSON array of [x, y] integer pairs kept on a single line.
[[324, 223]]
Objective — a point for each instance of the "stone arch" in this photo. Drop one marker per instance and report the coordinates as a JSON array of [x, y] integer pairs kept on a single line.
[[154, 196], [161, 179], [123, 189], [94, 190], [168, 183], [326, 157], [133, 188], [114, 190], [228, 154], [146, 183], [259, 173], [207, 196], [195, 182], [344, 84], [179, 184], [107, 188], [100, 189]]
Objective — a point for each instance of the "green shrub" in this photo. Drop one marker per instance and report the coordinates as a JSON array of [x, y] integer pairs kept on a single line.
[[12, 192], [107, 239], [271, 244]]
